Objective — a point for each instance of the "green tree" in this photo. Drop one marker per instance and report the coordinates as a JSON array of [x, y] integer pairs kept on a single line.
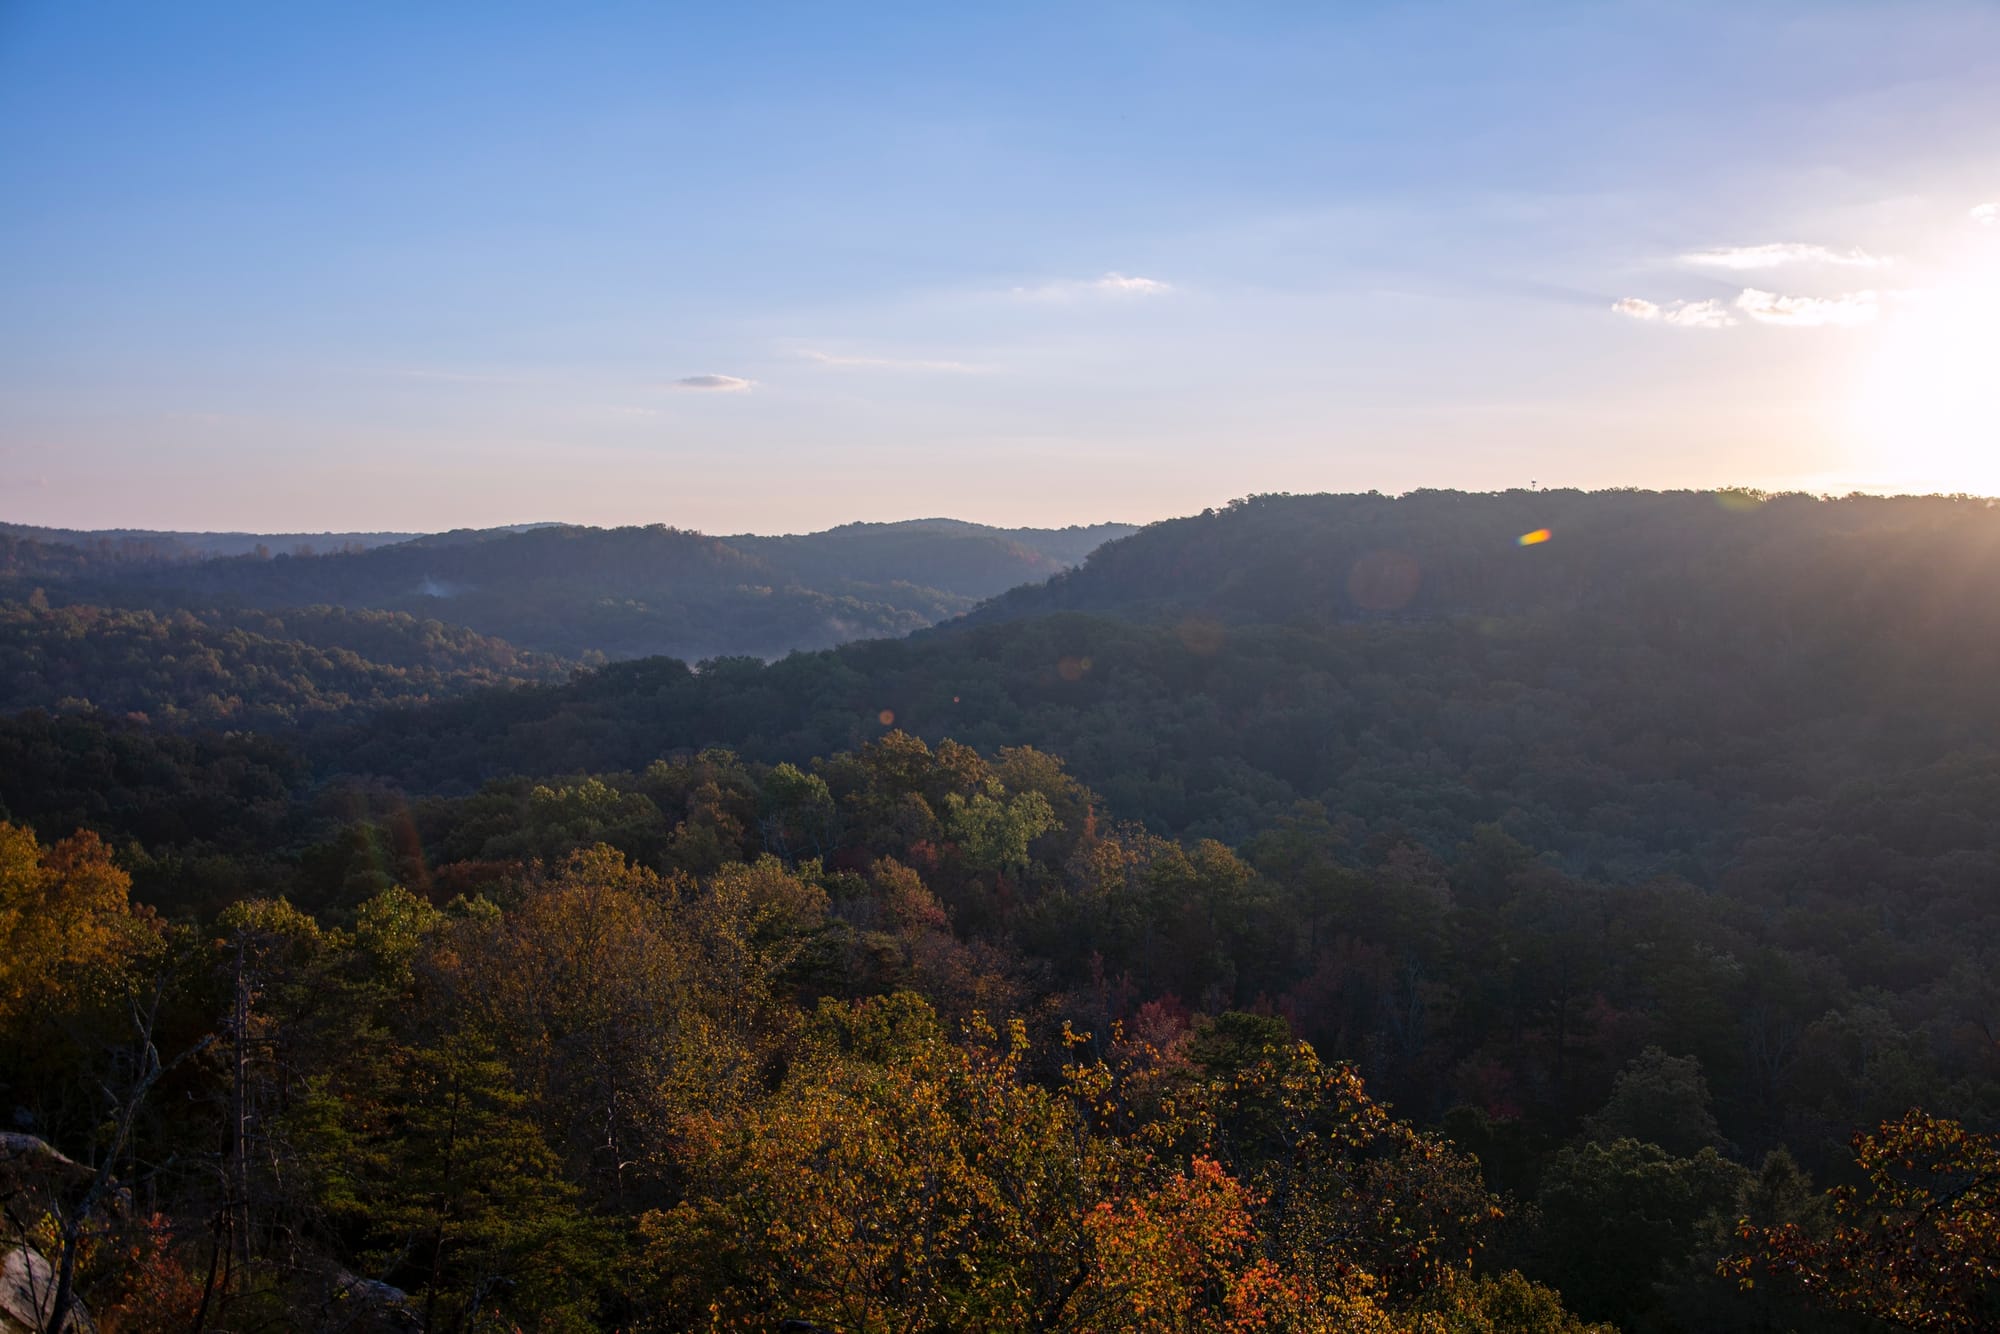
[[993, 829], [1617, 1216], [471, 1212], [1659, 1099]]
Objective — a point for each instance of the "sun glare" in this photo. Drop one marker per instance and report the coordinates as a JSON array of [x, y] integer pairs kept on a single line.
[[1928, 404]]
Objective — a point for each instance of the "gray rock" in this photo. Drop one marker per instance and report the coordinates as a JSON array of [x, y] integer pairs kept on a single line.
[[28, 1291]]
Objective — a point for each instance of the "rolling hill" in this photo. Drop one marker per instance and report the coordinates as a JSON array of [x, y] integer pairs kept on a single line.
[[523, 602]]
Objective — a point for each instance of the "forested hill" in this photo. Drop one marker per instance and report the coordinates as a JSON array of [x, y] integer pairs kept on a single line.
[[966, 559], [159, 544], [581, 592], [1664, 681], [1306, 560], [267, 670]]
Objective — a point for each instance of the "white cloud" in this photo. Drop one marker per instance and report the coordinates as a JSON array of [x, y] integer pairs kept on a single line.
[[1699, 315], [1118, 282], [727, 384], [1776, 255], [1111, 284], [884, 363], [1987, 215], [1802, 312], [1681, 314]]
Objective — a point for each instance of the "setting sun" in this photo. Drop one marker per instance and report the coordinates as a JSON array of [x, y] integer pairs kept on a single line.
[[1928, 403]]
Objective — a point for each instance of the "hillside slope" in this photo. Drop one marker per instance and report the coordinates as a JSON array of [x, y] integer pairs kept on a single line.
[[581, 592], [245, 669], [1662, 679]]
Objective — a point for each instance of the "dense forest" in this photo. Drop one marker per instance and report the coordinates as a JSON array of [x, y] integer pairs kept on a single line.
[[243, 669], [1536, 911]]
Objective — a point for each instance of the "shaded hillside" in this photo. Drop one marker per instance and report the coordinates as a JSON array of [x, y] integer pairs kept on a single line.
[[247, 668], [159, 544], [24, 558], [576, 592], [1662, 682], [1313, 560], [621, 592], [966, 559]]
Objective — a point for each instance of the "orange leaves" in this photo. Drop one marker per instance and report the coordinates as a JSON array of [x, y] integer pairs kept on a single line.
[[137, 1271], [1172, 1254], [1918, 1246]]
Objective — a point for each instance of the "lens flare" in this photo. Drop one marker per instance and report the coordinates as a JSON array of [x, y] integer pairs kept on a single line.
[[1534, 539]]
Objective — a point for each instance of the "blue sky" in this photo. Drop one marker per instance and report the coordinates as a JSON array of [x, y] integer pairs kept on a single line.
[[771, 267]]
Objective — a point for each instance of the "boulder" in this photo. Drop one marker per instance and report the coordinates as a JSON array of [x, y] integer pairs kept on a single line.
[[28, 1290], [33, 1175]]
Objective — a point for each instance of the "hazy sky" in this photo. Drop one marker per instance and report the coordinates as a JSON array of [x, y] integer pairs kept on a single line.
[[768, 267]]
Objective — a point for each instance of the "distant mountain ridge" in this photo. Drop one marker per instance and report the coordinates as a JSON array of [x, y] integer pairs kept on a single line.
[[966, 559], [164, 544], [575, 592]]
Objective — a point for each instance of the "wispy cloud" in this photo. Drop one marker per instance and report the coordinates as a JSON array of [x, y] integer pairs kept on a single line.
[[1680, 314], [1118, 282], [1111, 284], [1804, 312], [1779, 254], [726, 384], [883, 363], [1987, 215]]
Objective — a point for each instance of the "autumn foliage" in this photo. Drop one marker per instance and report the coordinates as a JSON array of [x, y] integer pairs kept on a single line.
[[1917, 1245], [817, 1051]]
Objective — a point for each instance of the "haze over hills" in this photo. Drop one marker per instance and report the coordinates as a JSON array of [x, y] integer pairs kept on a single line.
[[967, 559], [206, 639]]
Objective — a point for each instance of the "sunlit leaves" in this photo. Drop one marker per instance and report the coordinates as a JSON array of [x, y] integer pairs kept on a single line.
[[1917, 1246]]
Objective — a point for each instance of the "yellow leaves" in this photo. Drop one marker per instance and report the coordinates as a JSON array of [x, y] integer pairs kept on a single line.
[[899, 1178], [270, 917], [1184, 1257], [773, 897], [67, 926], [896, 1180]]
